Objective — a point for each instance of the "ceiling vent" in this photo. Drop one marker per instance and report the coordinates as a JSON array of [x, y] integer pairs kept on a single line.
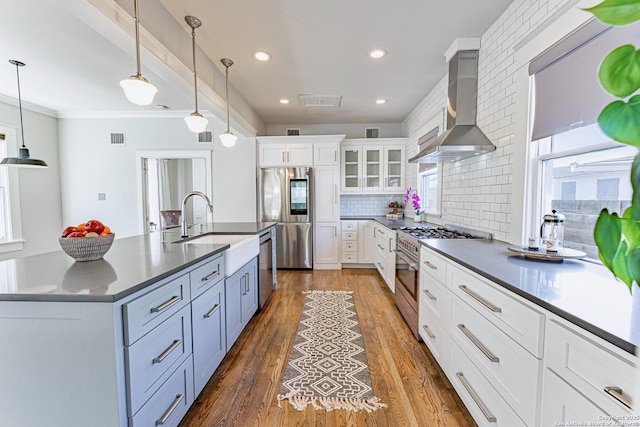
[[322, 101], [372, 132], [293, 131], [117, 138], [205, 137], [2, 137]]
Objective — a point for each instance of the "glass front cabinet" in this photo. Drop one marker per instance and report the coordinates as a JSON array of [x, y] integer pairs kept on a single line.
[[369, 168]]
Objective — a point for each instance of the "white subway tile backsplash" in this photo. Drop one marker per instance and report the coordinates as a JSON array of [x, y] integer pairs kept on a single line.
[[367, 204]]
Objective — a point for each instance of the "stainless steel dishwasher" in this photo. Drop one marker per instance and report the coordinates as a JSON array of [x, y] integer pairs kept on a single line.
[[267, 281]]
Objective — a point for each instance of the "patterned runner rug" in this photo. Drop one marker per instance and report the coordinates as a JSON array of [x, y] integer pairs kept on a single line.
[[327, 366]]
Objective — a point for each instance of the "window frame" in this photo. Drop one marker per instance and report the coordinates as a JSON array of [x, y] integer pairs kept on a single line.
[[11, 217], [437, 170]]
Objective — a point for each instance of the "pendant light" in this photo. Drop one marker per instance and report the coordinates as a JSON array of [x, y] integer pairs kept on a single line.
[[23, 159], [136, 88], [228, 139], [195, 122]]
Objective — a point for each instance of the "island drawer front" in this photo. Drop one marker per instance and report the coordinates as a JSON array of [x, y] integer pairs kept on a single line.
[[207, 275], [516, 319], [172, 400], [349, 225], [433, 264], [152, 359], [349, 257], [349, 235], [482, 400], [145, 313], [349, 246], [513, 372], [434, 295], [433, 335], [590, 368]]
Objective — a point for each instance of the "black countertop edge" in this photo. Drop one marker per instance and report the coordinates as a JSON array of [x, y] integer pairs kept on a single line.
[[607, 336], [258, 227], [393, 224]]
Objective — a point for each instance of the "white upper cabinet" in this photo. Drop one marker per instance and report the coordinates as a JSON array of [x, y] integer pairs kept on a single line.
[[325, 154], [300, 154], [372, 168], [312, 150], [327, 197]]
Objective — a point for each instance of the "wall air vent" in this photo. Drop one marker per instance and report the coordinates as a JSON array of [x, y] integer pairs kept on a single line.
[[2, 137], [372, 132], [320, 101], [205, 137], [293, 131], [117, 138]]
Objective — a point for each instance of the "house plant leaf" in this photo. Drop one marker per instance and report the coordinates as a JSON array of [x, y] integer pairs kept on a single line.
[[633, 265], [619, 72], [621, 121], [607, 234], [617, 12], [620, 266]]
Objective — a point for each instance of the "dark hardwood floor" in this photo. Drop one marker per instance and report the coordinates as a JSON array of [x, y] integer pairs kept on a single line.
[[243, 390]]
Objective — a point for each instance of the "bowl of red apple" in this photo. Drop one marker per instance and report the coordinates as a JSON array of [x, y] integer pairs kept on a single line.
[[87, 241]]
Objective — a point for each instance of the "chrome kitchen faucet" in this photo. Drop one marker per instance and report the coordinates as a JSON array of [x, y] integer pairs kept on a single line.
[[185, 227]]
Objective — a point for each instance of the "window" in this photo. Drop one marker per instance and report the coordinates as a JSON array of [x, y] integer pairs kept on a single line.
[[429, 193]]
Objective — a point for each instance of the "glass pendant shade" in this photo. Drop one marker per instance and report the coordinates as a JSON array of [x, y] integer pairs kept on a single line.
[[228, 139], [196, 123], [138, 90]]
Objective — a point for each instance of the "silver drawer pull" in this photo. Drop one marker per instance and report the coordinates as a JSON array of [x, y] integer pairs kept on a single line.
[[431, 266], [166, 304], [380, 246], [478, 343], [428, 331], [483, 408], [213, 310], [211, 276], [430, 295], [616, 393], [165, 353], [381, 267], [163, 419], [481, 300]]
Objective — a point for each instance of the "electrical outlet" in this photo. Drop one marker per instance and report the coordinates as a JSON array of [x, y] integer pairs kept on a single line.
[[102, 196]]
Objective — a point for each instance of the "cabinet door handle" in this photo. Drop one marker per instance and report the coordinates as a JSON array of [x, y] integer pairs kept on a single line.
[[335, 194], [211, 276], [616, 393], [335, 231], [483, 348], [288, 157], [163, 419], [168, 351], [428, 331], [166, 304], [480, 299], [335, 155], [390, 248], [430, 295], [380, 246], [483, 408], [431, 266], [283, 157], [213, 310], [381, 267], [246, 283]]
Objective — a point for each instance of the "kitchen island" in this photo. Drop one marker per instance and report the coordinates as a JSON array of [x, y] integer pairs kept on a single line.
[[112, 342]]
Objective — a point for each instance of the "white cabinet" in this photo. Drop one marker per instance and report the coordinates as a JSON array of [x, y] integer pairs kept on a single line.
[[327, 245], [327, 197], [292, 154], [432, 306], [372, 167], [358, 242], [325, 153], [366, 242], [385, 255], [308, 150]]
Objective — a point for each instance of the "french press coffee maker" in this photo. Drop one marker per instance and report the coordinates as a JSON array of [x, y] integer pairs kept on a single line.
[[552, 232]]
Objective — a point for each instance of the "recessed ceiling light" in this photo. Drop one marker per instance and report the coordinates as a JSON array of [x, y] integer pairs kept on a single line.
[[377, 53], [262, 55], [284, 101], [381, 101]]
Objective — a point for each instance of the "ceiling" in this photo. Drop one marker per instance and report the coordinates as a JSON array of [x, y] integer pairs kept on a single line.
[[317, 48]]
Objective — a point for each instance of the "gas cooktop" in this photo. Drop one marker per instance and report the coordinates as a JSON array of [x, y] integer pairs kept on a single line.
[[436, 233]]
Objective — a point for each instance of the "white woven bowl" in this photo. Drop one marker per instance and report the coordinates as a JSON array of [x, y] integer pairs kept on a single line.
[[86, 248]]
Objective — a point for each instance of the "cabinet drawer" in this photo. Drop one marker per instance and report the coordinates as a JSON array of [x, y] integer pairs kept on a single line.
[[521, 322], [349, 225], [145, 313], [433, 264], [349, 246], [152, 359], [512, 370], [349, 235], [207, 275], [171, 402], [562, 405], [349, 257], [434, 336], [482, 400], [590, 368], [433, 294]]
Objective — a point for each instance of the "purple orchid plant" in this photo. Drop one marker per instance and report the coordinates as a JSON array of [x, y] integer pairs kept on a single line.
[[412, 195]]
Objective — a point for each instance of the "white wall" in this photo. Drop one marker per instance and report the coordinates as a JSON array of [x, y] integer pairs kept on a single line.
[[91, 165], [39, 189], [355, 130]]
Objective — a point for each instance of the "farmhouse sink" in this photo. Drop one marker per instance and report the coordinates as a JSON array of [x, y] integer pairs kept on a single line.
[[243, 248]]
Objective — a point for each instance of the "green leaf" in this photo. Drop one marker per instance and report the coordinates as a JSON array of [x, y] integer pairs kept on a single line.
[[620, 268], [617, 12], [619, 72], [631, 232], [621, 121], [633, 265], [607, 234]]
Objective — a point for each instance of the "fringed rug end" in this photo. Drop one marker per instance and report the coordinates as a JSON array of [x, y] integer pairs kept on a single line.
[[328, 404]]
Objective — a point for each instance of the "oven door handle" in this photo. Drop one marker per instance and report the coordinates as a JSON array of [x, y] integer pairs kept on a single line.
[[412, 264]]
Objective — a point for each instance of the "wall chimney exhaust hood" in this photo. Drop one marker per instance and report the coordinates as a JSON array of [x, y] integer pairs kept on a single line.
[[462, 138]]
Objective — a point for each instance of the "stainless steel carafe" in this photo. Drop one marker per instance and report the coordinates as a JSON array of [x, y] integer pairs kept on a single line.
[[552, 232]]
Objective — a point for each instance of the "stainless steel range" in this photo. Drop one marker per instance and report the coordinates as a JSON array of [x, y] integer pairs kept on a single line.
[[408, 265]]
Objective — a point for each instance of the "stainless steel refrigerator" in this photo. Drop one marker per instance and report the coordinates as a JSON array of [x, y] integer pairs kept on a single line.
[[284, 196]]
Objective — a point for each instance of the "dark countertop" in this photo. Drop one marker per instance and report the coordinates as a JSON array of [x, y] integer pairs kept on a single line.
[[131, 264], [584, 293]]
